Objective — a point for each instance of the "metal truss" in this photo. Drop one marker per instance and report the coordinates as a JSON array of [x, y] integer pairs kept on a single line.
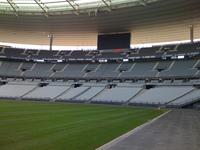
[[145, 2], [74, 5], [42, 6], [14, 6], [48, 8], [107, 3]]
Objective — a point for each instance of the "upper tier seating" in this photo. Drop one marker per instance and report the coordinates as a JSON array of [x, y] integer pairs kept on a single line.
[[188, 48], [107, 55], [156, 51], [71, 70], [105, 70], [169, 48], [10, 68], [46, 54], [180, 68], [164, 65], [80, 54], [155, 68], [26, 66], [142, 69], [39, 70], [163, 69], [12, 52], [152, 51]]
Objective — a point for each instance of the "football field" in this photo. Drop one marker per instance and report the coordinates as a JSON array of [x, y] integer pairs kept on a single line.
[[26, 125]]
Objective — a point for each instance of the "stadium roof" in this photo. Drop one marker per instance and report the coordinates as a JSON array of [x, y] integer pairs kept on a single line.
[[57, 7], [117, 20]]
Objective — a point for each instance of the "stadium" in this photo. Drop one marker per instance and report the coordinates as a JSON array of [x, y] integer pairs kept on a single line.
[[99, 74]]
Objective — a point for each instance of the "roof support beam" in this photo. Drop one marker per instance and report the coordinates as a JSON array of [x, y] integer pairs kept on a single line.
[[107, 3], [144, 2], [42, 6], [74, 5], [14, 6]]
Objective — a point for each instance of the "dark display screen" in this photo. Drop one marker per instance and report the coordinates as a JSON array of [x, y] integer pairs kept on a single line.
[[114, 41]]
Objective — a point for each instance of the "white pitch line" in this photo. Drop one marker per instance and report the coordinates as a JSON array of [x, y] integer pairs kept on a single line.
[[122, 137]]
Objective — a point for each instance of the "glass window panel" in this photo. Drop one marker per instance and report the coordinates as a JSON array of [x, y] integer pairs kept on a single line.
[[58, 5]]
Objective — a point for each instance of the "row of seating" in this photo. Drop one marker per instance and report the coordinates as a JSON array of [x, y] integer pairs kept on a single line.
[[178, 68], [156, 51], [122, 93]]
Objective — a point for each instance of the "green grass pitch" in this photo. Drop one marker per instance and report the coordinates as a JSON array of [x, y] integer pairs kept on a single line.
[[61, 126]]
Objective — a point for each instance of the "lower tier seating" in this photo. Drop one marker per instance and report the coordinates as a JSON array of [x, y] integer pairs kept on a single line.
[[98, 92], [117, 94], [12, 90], [161, 95], [194, 95]]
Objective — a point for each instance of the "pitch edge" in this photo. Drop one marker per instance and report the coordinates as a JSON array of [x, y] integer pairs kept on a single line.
[[120, 138]]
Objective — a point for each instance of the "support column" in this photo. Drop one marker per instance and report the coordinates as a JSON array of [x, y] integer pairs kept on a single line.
[[50, 41], [191, 33]]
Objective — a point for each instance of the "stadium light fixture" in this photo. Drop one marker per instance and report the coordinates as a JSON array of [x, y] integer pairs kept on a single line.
[[39, 60], [103, 60], [181, 57], [59, 60], [125, 60]]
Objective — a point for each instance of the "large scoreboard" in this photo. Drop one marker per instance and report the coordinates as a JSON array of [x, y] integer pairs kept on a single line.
[[114, 41]]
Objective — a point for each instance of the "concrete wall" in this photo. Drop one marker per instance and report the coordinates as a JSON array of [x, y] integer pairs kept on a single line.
[[41, 38], [154, 33], [165, 32]]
